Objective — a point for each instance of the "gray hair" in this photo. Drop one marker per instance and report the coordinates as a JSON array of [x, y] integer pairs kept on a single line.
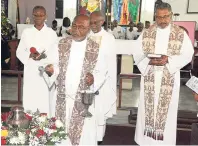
[[39, 8], [99, 14], [164, 6]]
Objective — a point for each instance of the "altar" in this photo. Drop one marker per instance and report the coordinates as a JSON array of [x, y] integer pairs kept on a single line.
[[126, 48]]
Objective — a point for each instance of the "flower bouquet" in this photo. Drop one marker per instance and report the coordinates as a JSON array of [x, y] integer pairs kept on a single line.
[[41, 130]]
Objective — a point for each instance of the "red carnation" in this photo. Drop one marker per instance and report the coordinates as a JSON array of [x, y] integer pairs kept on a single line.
[[4, 116], [43, 114], [3, 141], [28, 117], [33, 50]]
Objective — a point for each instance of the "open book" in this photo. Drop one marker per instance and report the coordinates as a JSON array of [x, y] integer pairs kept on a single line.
[[193, 84], [154, 55]]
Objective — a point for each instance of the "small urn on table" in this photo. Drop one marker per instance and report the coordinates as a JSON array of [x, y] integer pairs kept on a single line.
[[87, 100], [17, 119]]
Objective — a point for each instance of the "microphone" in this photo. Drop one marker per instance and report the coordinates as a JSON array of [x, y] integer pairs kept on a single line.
[[42, 70]]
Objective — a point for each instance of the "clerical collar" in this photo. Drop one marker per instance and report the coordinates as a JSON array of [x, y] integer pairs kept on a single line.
[[98, 33], [166, 28], [44, 26], [80, 41]]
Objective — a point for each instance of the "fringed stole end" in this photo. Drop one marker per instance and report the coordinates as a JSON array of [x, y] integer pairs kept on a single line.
[[154, 134]]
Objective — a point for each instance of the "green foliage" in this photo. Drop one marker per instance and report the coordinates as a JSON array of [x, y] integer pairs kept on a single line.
[[4, 25]]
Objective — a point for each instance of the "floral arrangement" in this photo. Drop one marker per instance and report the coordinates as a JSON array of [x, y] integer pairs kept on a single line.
[[41, 131], [4, 24]]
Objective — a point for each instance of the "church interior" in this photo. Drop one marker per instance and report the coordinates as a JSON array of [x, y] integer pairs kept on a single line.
[[135, 15]]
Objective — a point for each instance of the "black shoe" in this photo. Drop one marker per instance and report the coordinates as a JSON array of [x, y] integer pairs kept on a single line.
[[100, 142]]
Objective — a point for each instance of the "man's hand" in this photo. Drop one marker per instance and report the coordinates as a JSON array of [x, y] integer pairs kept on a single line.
[[35, 56], [49, 69], [196, 96], [159, 61], [89, 79]]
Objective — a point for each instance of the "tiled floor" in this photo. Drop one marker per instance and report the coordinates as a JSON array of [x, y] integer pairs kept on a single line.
[[129, 98]]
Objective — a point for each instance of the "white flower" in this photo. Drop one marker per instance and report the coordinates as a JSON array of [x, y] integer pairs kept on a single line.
[[21, 138], [34, 130], [33, 141], [55, 139], [14, 140], [58, 124], [42, 119]]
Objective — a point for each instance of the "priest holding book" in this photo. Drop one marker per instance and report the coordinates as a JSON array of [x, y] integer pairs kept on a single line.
[[164, 49]]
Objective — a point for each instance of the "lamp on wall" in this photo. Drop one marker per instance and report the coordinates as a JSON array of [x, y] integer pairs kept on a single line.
[[176, 16]]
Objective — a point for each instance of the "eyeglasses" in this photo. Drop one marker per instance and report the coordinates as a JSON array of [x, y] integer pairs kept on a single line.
[[35, 15], [80, 27], [163, 17]]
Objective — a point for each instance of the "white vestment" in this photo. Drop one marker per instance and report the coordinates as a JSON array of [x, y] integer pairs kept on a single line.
[[137, 34], [118, 32], [35, 89], [130, 35], [175, 63], [106, 101], [75, 64]]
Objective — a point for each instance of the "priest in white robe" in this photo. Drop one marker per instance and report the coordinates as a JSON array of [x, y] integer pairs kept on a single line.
[[107, 97], [160, 82], [82, 67], [34, 41]]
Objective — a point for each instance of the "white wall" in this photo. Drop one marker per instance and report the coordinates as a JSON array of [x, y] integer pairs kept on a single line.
[[69, 10], [180, 6], [26, 7], [147, 10]]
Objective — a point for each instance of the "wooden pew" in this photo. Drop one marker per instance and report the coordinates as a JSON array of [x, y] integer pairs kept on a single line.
[[19, 74]]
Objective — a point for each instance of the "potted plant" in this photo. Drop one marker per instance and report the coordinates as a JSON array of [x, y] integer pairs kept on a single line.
[[6, 28]]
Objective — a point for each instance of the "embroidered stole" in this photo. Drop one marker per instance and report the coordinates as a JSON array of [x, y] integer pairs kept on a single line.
[[89, 63], [155, 128]]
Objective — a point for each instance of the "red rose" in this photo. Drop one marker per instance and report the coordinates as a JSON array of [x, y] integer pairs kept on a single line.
[[33, 50], [38, 135], [28, 117], [4, 116], [53, 127], [53, 119], [3, 141], [27, 132], [41, 132], [43, 114], [4, 128]]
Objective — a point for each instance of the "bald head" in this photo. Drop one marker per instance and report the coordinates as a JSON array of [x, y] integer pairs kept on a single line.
[[96, 20], [82, 18], [98, 15], [80, 27]]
